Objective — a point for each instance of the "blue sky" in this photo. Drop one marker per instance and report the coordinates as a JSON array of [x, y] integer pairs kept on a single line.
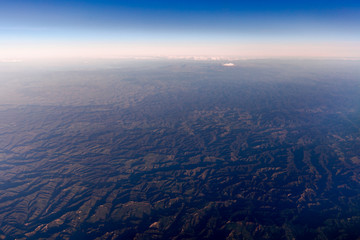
[[123, 28]]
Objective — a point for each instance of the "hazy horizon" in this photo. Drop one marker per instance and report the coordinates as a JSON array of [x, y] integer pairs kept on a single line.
[[110, 29]]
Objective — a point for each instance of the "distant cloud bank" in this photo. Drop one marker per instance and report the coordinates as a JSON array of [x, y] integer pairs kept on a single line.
[[228, 64]]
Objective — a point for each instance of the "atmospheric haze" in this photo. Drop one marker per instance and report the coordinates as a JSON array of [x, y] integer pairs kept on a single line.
[[179, 119], [111, 29]]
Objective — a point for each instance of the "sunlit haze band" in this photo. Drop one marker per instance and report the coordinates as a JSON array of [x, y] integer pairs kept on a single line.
[[112, 29]]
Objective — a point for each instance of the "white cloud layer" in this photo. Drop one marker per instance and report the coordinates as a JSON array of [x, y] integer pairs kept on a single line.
[[228, 64]]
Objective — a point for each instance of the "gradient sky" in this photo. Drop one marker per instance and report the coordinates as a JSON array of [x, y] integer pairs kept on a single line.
[[254, 29]]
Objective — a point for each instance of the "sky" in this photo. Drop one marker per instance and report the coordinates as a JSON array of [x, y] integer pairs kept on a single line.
[[114, 29]]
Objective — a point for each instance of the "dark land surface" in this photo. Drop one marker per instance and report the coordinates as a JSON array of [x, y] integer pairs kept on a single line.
[[181, 150]]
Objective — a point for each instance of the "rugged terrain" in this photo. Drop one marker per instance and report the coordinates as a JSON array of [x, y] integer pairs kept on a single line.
[[182, 150]]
